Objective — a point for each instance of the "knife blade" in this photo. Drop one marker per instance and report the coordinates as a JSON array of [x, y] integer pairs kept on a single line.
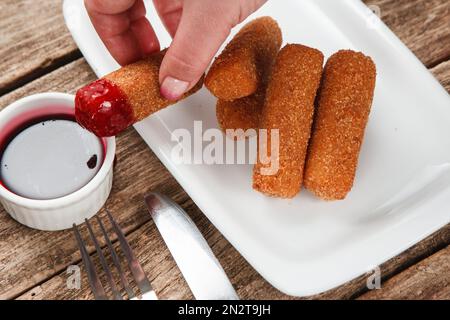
[[195, 259]]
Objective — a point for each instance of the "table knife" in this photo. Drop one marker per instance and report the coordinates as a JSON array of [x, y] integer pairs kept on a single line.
[[201, 269]]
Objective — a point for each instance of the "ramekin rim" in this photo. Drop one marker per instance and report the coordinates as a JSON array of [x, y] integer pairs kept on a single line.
[[75, 196]]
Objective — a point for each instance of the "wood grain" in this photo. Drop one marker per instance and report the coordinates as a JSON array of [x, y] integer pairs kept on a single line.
[[422, 25], [33, 263], [442, 73], [426, 280], [33, 40]]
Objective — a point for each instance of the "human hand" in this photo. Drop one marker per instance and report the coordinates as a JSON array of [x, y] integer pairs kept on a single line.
[[198, 29]]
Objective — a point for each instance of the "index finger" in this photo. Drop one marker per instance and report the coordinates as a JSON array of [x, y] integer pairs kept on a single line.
[[127, 35]]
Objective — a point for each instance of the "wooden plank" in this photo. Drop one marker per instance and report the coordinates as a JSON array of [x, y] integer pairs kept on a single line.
[[65, 79], [428, 280], [442, 73], [422, 25], [33, 40]]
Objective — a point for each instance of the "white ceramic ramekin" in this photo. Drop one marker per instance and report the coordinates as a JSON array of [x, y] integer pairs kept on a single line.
[[60, 213]]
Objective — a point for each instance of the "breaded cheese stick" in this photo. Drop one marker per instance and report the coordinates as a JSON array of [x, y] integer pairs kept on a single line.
[[111, 104], [344, 105], [240, 69], [289, 107], [243, 113]]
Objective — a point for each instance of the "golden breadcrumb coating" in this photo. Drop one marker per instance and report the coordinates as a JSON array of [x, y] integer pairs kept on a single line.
[[240, 69], [139, 81], [289, 107], [242, 113], [344, 104]]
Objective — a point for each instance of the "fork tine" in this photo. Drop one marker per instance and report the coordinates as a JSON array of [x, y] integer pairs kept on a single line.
[[116, 262], [94, 281], [116, 293], [136, 269]]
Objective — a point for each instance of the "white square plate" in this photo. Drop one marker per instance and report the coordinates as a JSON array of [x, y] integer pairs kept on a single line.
[[401, 194]]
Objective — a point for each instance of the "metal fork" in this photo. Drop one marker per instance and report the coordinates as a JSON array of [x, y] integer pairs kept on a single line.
[[147, 292]]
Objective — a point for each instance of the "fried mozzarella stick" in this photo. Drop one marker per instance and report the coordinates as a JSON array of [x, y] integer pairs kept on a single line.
[[289, 107], [344, 105], [245, 113], [111, 104], [242, 113], [240, 69]]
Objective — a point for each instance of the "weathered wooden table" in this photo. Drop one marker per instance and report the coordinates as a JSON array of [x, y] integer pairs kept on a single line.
[[37, 54]]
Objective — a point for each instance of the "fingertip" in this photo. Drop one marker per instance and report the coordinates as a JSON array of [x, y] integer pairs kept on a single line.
[[195, 44]]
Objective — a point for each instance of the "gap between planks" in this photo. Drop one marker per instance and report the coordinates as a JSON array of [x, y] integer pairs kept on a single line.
[[418, 281], [41, 71]]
